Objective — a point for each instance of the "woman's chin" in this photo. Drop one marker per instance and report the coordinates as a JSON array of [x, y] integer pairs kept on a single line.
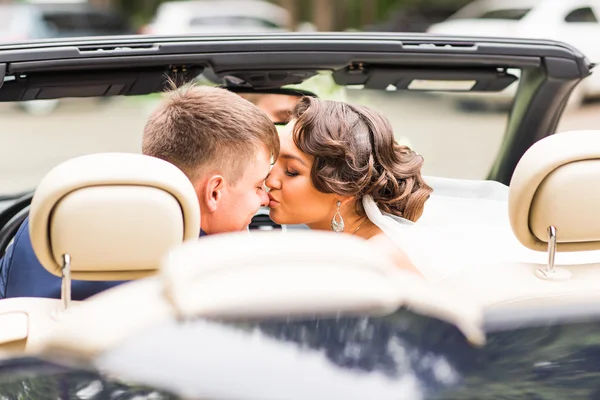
[[273, 215], [278, 217]]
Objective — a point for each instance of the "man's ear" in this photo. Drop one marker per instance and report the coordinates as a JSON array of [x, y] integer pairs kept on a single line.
[[211, 192]]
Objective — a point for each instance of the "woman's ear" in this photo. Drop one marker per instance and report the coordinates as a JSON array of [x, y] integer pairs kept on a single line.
[[346, 200], [210, 192]]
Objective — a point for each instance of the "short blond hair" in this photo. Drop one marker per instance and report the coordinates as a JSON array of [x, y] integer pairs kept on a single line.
[[202, 129]]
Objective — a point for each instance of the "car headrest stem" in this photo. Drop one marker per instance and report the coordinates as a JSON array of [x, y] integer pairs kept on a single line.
[[550, 272], [65, 289]]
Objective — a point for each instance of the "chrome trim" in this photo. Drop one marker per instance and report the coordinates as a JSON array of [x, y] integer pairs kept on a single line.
[[65, 289], [551, 248]]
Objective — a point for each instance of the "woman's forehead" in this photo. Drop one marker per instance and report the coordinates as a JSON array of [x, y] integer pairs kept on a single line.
[[287, 141], [288, 128], [287, 145]]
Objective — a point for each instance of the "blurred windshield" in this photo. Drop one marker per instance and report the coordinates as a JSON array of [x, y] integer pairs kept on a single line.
[[232, 21], [511, 14], [455, 140], [459, 135]]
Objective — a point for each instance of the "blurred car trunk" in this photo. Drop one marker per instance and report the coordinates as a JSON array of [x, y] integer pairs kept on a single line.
[[70, 20], [417, 17]]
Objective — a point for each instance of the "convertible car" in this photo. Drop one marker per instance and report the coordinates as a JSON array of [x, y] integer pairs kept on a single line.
[[512, 230]]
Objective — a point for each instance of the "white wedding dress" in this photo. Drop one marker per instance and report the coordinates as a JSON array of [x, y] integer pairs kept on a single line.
[[464, 225]]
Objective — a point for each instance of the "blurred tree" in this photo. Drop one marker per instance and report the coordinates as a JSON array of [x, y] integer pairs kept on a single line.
[[140, 12], [101, 3], [327, 15], [336, 15], [368, 12], [324, 13], [293, 8]]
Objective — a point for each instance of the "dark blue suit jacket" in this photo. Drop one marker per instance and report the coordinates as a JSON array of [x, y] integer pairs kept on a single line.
[[22, 275]]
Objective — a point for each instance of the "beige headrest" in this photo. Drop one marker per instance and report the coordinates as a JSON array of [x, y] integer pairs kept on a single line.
[[299, 273], [263, 275], [115, 214], [556, 183]]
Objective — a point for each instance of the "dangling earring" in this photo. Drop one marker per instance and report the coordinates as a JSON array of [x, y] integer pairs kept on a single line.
[[335, 225]]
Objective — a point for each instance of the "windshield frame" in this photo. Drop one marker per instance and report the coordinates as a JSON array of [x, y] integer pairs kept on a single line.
[[550, 70]]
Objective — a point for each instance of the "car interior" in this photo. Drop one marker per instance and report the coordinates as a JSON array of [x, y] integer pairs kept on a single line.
[[129, 209], [543, 232], [344, 275]]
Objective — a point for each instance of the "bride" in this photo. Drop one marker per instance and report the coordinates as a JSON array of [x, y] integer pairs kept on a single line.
[[340, 169]]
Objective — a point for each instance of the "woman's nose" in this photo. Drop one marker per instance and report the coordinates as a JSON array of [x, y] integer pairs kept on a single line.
[[272, 182]]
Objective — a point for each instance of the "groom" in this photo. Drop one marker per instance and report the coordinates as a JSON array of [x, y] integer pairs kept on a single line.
[[222, 142]]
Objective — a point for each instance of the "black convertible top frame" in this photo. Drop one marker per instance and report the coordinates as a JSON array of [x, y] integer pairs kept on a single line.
[[134, 65]]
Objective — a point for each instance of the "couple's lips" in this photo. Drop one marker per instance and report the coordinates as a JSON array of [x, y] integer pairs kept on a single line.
[[272, 202]]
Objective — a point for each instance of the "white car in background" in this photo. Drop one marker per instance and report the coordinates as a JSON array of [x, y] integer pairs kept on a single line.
[[218, 16], [576, 22]]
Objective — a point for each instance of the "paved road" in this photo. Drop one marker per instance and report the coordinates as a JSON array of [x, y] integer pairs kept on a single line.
[[454, 143], [32, 145]]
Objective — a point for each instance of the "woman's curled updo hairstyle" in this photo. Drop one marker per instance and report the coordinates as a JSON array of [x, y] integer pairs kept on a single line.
[[355, 154]]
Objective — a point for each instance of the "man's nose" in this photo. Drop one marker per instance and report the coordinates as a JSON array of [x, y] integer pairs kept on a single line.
[[264, 199]]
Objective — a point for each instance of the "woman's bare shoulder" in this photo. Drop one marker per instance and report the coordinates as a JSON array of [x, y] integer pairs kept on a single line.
[[400, 258]]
